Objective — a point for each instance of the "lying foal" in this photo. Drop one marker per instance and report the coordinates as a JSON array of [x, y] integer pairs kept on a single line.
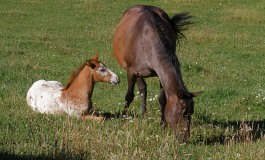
[[74, 99]]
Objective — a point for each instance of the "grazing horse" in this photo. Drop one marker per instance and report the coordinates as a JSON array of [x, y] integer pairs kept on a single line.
[[145, 46], [74, 99]]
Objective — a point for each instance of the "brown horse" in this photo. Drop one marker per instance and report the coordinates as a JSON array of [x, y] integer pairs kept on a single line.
[[145, 45]]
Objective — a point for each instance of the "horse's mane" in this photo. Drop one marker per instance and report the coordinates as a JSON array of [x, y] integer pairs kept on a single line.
[[179, 23], [74, 75]]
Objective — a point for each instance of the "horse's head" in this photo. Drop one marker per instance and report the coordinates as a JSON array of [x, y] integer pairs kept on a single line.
[[178, 112], [100, 72]]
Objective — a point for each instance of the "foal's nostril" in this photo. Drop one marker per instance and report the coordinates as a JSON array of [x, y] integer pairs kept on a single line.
[[118, 80], [115, 80]]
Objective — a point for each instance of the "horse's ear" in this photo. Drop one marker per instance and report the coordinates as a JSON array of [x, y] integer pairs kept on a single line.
[[95, 57], [181, 94], [195, 94]]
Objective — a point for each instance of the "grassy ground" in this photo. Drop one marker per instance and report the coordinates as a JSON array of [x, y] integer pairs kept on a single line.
[[223, 55]]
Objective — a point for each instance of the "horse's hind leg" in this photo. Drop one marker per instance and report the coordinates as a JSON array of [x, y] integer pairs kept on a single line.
[[143, 92], [130, 92], [162, 102]]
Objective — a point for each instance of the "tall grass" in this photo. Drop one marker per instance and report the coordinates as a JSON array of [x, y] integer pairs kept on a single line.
[[223, 55]]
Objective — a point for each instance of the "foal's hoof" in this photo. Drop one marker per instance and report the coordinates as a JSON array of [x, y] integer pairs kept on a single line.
[[93, 118], [99, 119]]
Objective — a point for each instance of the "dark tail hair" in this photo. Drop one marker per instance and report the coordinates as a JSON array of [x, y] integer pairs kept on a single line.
[[180, 22]]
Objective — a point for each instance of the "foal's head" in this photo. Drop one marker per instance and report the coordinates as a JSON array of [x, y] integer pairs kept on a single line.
[[100, 72]]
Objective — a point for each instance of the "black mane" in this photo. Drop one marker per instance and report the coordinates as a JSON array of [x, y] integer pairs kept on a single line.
[[179, 23], [168, 43]]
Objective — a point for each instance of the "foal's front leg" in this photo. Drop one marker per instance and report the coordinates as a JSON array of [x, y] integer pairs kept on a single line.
[[89, 114], [143, 92], [93, 118], [90, 109]]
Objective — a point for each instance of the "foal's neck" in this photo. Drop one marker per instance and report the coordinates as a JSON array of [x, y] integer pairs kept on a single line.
[[82, 86]]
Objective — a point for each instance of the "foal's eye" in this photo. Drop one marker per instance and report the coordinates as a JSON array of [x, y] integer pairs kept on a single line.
[[102, 70]]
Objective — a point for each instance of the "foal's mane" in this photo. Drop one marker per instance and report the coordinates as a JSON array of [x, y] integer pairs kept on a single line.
[[75, 74]]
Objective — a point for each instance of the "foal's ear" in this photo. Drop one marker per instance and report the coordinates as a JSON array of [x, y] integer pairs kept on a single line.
[[95, 57], [195, 94], [90, 64]]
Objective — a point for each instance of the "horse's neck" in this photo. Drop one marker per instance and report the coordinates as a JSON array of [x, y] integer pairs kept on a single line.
[[171, 79], [81, 88]]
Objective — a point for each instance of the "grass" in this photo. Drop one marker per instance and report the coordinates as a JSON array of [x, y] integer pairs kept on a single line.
[[223, 55]]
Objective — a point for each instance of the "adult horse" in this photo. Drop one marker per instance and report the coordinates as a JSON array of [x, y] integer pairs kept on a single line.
[[74, 99], [145, 45]]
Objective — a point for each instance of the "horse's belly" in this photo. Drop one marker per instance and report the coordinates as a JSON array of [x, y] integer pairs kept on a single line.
[[145, 73], [44, 97]]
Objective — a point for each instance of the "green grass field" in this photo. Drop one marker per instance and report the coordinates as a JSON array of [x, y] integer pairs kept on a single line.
[[222, 55]]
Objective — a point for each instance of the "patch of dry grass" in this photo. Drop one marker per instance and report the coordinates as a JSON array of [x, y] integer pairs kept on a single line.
[[205, 35], [245, 15]]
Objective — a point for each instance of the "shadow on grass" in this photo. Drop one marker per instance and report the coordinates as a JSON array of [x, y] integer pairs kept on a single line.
[[9, 156], [229, 132], [238, 132]]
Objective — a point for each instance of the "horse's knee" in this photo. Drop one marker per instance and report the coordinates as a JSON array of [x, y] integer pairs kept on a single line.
[[162, 99], [141, 85], [128, 99]]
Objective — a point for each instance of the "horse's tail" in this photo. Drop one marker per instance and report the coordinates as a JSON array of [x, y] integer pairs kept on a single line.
[[180, 22]]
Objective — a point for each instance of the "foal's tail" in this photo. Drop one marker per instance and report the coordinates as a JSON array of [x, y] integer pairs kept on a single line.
[[180, 22]]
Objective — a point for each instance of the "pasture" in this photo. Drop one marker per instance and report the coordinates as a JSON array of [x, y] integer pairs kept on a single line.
[[222, 55]]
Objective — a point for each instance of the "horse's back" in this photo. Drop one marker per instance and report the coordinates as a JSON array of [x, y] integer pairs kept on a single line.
[[126, 33], [136, 39], [44, 97]]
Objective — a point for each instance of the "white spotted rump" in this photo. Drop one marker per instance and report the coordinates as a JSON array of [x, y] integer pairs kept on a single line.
[[44, 97]]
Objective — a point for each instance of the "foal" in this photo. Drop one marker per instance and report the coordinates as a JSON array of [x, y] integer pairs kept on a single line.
[[74, 99]]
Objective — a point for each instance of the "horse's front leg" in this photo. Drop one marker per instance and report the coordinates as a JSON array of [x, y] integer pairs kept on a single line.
[[130, 92], [143, 92], [162, 102]]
